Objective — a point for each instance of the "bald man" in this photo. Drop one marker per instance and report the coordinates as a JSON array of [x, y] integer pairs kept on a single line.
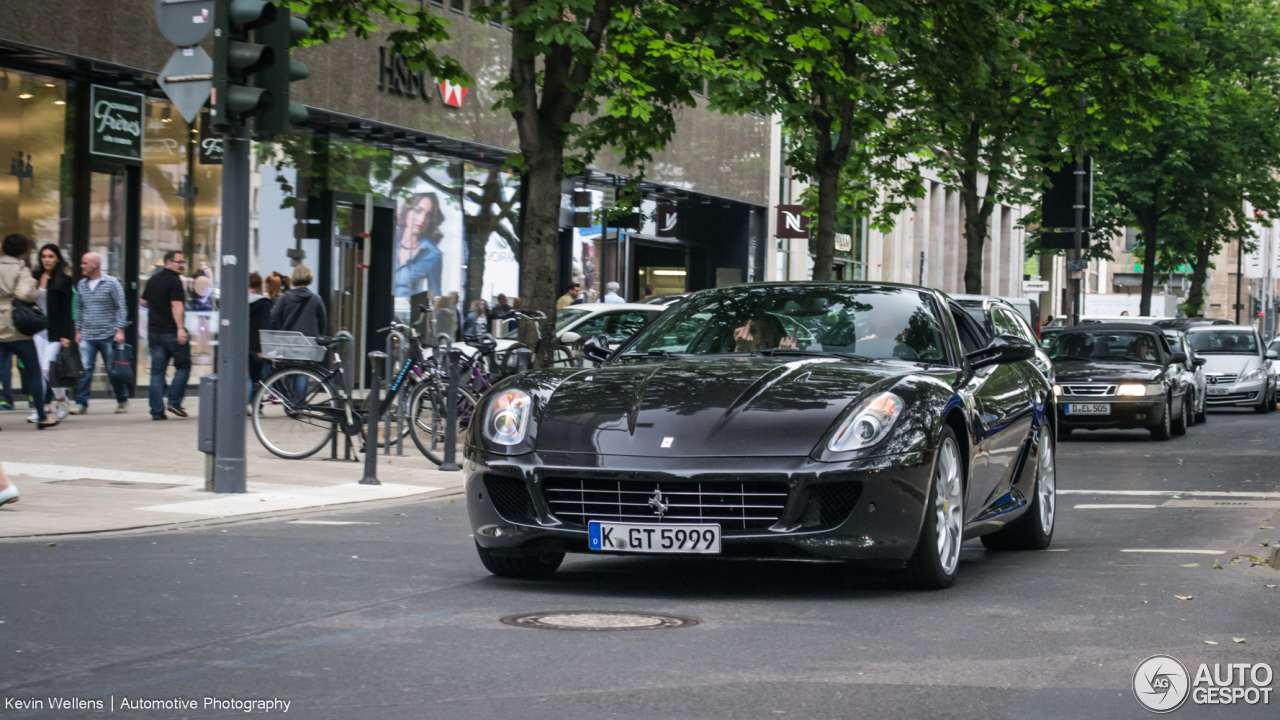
[[101, 317]]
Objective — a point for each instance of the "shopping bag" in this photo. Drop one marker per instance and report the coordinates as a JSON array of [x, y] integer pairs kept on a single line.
[[67, 369], [121, 369]]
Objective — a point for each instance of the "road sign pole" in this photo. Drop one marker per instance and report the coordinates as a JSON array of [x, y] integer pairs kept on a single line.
[[233, 333]]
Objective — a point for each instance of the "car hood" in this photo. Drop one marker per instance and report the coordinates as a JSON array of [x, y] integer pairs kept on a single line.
[[1230, 364], [706, 407], [1103, 370]]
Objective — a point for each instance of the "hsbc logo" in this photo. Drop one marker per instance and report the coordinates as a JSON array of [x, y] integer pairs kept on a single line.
[[395, 77]]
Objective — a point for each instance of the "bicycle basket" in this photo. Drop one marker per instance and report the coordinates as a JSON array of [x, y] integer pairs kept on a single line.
[[289, 345]]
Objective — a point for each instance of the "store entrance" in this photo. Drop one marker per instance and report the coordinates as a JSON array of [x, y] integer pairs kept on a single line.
[[662, 266], [115, 192], [355, 274]]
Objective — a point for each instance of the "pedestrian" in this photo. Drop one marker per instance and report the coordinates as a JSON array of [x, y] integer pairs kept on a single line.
[[165, 300], [259, 319], [55, 298], [273, 286], [648, 292], [300, 310], [8, 491], [570, 296], [477, 319], [6, 380], [101, 317], [611, 293], [16, 283], [457, 310]]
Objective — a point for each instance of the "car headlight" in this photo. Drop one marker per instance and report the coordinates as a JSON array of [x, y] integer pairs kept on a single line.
[[507, 419], [1132, 390], [1057, 390], [1255, 375], [868, 424]]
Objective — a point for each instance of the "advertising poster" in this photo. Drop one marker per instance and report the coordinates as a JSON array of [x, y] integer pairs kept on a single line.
[[428, 251]]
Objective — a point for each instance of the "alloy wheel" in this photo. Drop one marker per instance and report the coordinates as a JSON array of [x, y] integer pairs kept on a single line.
[[1047, 483], [948, 506]]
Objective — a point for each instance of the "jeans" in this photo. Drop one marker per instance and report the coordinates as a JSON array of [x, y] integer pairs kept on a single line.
[[259, 369], [164, 348], [89, 352], [25, 350]]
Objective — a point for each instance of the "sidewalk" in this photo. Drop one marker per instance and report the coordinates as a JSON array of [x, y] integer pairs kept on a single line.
[[102, 471]]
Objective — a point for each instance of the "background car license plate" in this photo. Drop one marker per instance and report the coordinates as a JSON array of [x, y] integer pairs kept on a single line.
[[1089, 409], [653, 538], [1219, 391]]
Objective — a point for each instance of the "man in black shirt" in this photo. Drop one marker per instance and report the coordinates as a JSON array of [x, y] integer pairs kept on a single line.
[[164, 299]]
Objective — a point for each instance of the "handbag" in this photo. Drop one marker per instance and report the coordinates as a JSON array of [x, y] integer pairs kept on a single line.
[[121, 369], [29, 319], [67, 369]]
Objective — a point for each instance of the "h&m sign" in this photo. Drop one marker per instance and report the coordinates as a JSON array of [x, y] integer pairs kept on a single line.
[[396, 77]]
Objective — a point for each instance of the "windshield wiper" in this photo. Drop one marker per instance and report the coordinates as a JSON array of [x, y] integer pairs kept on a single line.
[[810, 353]]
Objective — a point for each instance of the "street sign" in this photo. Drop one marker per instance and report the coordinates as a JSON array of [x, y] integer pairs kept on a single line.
[[792, 222], [1035, 286], [187, 79], [184, 22], [1063, 240], [610, 199]]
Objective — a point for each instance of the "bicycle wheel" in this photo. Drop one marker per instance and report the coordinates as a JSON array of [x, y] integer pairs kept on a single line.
[[295, 413], [425, 417]]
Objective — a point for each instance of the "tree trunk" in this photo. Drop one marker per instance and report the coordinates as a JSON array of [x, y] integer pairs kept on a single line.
[[825, 240], [540, 243], [1149, 226], [1199, 278], [977, 209]]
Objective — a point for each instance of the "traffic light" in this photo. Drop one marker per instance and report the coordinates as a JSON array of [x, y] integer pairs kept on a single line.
[[238, 63], [280, 36]]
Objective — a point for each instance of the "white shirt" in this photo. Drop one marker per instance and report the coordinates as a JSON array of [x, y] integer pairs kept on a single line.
[[93, 284], [613, 297]]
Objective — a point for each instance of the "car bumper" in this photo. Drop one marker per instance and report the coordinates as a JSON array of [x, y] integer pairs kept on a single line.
[[1125, 414], [882, 523], [1241, 393]]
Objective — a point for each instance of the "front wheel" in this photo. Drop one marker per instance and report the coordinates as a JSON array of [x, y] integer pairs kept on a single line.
[[1034, 530], [937, 557], [294, 413], [1261, 407], [1202, 415], [1164, 430], [426, 417], [1179, 426]]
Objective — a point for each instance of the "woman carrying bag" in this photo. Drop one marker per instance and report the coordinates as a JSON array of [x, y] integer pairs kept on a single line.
[[55, 299], [17, 287]]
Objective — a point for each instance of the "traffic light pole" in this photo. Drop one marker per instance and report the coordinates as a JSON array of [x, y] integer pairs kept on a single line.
[[233, 335]]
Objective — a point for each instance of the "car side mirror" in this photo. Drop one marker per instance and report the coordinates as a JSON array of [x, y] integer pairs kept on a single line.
[[596, 348], [1178, 358], [1004, 349], [570, 337], [1273, 355], [1200, 362]]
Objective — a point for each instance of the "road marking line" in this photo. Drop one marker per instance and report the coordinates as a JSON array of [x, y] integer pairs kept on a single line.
[[328, 522], [1113, 507], [1170, 493], [1175, 552]]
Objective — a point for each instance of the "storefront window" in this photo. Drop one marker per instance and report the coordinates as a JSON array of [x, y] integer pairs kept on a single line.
[[33, 198], [492, 207], [429, 248]]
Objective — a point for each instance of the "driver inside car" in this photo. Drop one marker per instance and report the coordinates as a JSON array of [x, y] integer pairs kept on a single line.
[[1140, 349], [883, 338], [763, 332]]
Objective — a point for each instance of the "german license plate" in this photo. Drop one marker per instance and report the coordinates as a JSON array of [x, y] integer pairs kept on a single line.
[[1218, 391], [650, 538], [1089, 409]]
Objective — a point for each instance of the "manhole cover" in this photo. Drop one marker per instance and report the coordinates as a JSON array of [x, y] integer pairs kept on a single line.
[[599, 620]]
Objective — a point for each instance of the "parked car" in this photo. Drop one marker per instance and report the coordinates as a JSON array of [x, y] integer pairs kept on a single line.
[[1120, 376], [870, 422], [1239, 370], [618, 322], [1193, 374], [666, 300]]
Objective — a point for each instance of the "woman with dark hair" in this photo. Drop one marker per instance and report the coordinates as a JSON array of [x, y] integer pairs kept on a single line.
[[418, 256], [55, 298], [16, 283]]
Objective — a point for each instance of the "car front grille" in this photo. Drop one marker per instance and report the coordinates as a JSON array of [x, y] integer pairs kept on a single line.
[[735, 505], [1222, 379], [510, 496], [1232, 398], [1091, 390], [830, 503]]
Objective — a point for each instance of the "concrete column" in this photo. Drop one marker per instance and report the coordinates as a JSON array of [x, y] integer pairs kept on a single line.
[[962, 250], [991, 255], [919, 236], [1013, 250], [935, 260]]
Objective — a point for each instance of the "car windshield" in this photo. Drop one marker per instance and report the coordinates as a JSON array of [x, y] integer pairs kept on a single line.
[[563, 318], [1133, 346], [872, 322], [1225, 342]]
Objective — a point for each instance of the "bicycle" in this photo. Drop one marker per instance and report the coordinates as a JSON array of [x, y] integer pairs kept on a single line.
[[557, 353], [302, 405]]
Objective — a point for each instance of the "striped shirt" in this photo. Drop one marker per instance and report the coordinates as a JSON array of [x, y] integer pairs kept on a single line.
[[100, 311]]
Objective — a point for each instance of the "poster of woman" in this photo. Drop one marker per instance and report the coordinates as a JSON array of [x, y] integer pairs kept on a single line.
[[419, 257]]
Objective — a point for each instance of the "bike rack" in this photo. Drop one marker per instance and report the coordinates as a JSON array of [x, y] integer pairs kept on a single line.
[[348, 449]]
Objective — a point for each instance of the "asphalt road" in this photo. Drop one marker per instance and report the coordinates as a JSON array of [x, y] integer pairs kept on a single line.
[[394, 617]]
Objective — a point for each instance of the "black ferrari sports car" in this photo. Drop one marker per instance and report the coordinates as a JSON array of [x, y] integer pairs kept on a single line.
[[867, 422]]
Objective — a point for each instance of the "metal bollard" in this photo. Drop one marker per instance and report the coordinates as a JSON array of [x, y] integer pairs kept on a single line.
[[376, 360], [206, 434], [524, 359], [451, 410]]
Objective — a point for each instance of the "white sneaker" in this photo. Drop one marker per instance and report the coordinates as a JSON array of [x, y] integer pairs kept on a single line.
[[64, 407], [34, 416], [9, 495]]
